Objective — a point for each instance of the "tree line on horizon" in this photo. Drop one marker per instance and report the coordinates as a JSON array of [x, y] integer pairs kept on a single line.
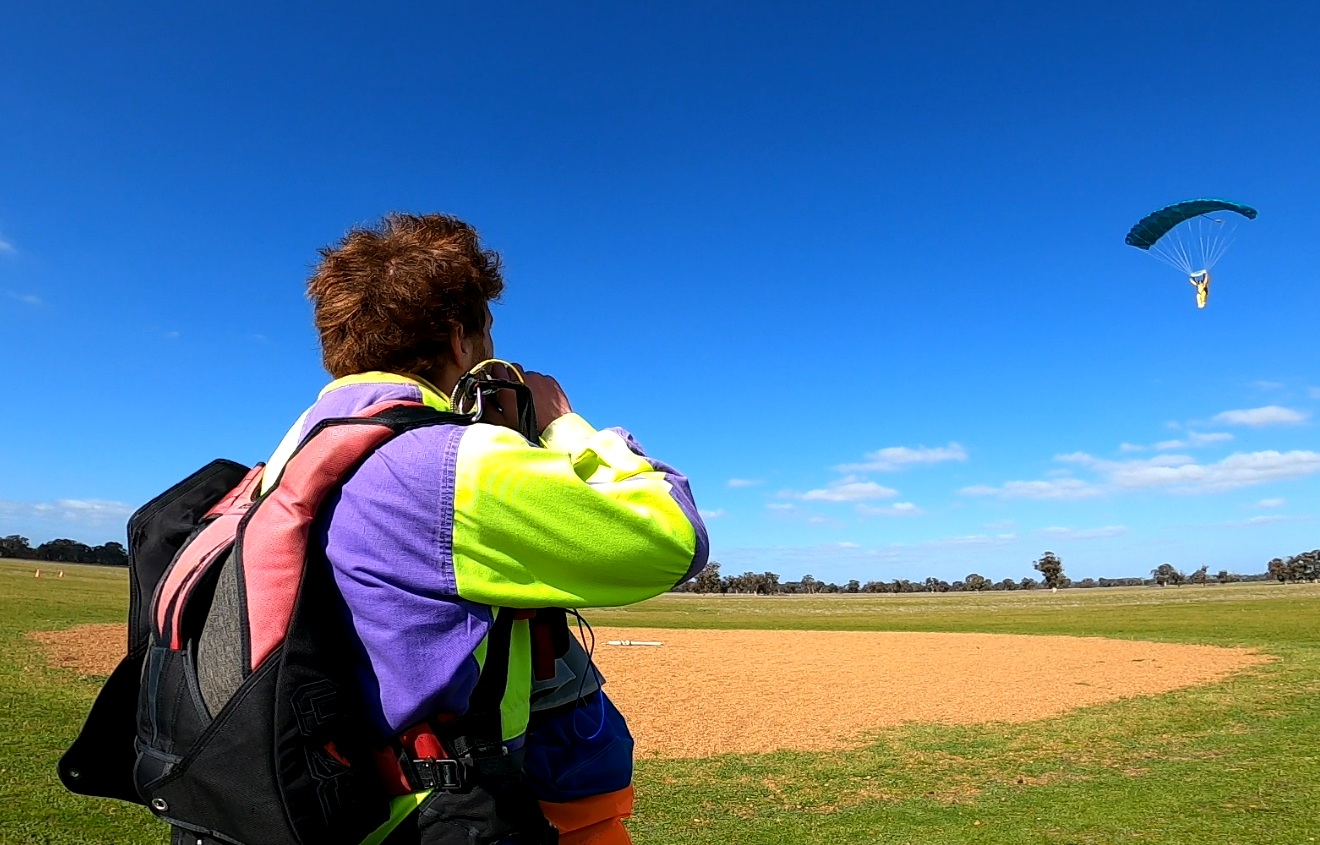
[[1299, 568], [64, 551], [1049, 565]]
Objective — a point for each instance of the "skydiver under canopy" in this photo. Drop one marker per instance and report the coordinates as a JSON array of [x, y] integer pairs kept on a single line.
[[1202, 282], [1185, 236]]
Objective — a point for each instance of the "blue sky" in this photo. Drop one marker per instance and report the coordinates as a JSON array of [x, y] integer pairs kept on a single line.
[[857, 269]]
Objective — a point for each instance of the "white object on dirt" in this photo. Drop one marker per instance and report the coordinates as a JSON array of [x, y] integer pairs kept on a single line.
[[635, 642]]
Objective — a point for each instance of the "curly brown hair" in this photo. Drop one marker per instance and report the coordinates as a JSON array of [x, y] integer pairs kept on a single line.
[[387, 297]]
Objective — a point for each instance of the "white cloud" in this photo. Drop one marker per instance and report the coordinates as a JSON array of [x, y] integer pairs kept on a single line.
[[1130, 447], [1266, 385], [894, 458], [847, 491], [1313, 392], [715, 514], [1059, 490], [77, 511], [974, 541], [6, 246], [1271, 503], [1000, 526], [1242, 469], [27, 298], [1268, 415], [1181, 473], [1271, 519], [1083, 533], [744, 482], [1194, 439], [781, 506], [896, 509]]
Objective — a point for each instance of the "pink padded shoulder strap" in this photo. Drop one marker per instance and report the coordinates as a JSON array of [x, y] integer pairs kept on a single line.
[[273, 540], [194, 558]]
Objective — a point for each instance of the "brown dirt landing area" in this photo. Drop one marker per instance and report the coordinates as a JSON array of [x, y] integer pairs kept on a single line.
[[760, 691]]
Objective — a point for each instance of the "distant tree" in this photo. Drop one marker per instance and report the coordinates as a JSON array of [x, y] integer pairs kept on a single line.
[[1198, 577], [809, 585], [976, 583], [1051, 570], [1007, 584], [109, 554], [1165, 574], [708, 580], [64, 551], [1305, 566], [770, 583], [1225, 577], [854, 586], [1027, 584], [875, 587], [1278, 569], [17, 547]]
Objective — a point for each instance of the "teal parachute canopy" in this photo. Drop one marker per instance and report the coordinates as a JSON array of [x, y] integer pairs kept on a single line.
[[1189, 235], [1157, 224]]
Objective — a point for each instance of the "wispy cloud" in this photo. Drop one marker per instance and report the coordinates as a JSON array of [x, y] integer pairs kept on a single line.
[[1181, 474], [1174, 473], [896, 509], [1195, 439], [1058, 490], [971, 541], [1001, 525], [1262, 384], [780, 506], [1270, 504], [894, 458], [744, 482], [6, 246], [1268, 415], [845, 490], [715, 514], [26, 298], [1270, 519], [1083, 533], [1130, 447], [76, 511]]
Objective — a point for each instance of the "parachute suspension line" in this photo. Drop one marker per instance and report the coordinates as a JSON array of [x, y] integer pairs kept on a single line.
[[1201, 236], [1172, 250], [1226, 235], [1196, 245]]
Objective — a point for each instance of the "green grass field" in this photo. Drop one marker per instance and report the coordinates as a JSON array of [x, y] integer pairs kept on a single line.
[[1237, 762]]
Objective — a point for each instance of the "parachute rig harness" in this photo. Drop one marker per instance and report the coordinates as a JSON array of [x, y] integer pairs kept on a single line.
[[261, 740]]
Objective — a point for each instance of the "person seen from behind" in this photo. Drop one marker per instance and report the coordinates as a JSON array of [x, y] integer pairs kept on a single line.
[[444, 526]]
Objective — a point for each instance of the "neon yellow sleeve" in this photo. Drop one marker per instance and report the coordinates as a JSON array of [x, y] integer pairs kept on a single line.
[[587, 520]]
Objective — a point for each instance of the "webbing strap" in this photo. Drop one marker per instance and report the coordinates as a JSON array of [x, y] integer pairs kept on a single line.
[[489, 691]]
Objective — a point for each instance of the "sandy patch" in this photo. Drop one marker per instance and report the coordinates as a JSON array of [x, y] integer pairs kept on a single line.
[[715, 692]]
